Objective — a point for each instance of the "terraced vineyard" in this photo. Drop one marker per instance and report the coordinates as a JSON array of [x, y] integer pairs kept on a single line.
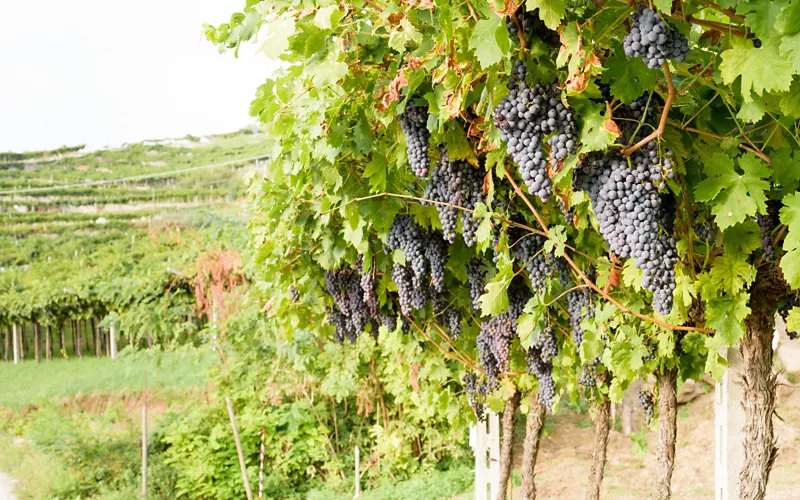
[[95, 239]]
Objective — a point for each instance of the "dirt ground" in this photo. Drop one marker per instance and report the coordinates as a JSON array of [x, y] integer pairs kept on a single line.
[[564, 459]]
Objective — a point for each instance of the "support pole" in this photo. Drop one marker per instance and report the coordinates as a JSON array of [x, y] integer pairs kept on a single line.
[[728, 422], [15, 338], [113, 341], [358, 473], [239, 448], [144, 451]]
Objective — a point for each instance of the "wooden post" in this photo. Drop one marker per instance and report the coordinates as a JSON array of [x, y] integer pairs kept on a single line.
[[239, 448], [15, 339], [98, 344], [113, 341], [144, 451], [48, 342], [728, 422], [261, 465], [78, 349], [358, 473], [22, 346], [7, 340], [36, 349]]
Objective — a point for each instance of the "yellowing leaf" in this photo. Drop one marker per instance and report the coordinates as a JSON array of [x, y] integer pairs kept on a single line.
[[732, 273]]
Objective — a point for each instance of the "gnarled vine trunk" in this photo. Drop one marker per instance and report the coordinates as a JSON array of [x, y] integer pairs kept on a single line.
[[506, 455], [530, 449], [602, 422], [759, 383], [667, 431]]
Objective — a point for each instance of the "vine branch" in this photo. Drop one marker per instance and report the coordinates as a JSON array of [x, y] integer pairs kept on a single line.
[[662, 123], [757, 152], [591, 284]]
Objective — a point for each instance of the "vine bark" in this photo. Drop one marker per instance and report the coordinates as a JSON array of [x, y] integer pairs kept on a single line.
[[507, 448], [667, 431], [760, 383], [601, 428], [530, 449]]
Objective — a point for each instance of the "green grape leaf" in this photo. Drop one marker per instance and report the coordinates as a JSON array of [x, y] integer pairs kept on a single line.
[[495, 300], [790, 262], [732, 273], [594, 135], [734, 196], [725, 315], [550, 11], [375, 172], [753, 111], [556, 239], [790, 101], [742, 238], [484, 41], [760, 69], [788, 21], [762, 16], [786, 170], [627, 76], [793, 320], [277, 37], [790, 47], [404, 34], [664, 6]]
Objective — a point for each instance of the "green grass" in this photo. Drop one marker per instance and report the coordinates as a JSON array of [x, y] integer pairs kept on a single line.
[[422, 486], [38, 473], [165, 373]]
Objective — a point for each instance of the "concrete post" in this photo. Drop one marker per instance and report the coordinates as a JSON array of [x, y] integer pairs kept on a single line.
[[486, 445], [728, 422]]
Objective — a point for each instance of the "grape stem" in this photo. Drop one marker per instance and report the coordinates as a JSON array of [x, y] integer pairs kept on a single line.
[[663, 122], [757, 152], [727, 12], [589, 282], [721, 27]]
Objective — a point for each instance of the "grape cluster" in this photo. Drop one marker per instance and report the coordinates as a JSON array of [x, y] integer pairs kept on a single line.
[[648, 405], [368, 286], [528, 252], [767, 224], [477, 393], [589, 375], [530, 23], [412, 295], [389, 321], [458, 184], [351, 313], [543, 370], [547, 344], [295, 293], [704, 230], [447, 317], [475, 277], [638, 119], [525, 117], [411, 238], [579, 307], [654, 40], [497, 332], [414, 122], [628, 206], [436, 253]]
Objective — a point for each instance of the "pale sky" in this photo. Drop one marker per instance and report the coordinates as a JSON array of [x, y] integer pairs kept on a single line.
[[105, 72]]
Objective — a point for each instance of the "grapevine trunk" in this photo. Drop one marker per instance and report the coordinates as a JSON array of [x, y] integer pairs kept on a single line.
[[506, 452], [601, 429], [667, 430], [530, 449], [759, 397]]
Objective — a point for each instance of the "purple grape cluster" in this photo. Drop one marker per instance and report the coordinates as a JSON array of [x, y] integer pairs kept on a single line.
[[654, 40], [648, 404], [527, 250], [542, 369], [458, 184], [414, 122], [475, 277], [525, 117]]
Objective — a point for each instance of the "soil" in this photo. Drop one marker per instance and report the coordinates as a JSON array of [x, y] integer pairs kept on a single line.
[[7, 487], [565, 455]]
